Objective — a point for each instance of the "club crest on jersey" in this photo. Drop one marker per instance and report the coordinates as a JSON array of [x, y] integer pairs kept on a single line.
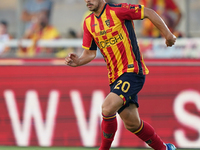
[[108, 22]]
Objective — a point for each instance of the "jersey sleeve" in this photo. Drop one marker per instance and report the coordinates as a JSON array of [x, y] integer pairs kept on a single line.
[[88, 40], [130, 11]]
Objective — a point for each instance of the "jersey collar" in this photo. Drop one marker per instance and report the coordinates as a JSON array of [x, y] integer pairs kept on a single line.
[[104, 7]]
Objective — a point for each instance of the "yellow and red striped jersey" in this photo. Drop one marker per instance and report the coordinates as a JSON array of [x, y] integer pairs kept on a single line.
[[113, 32]]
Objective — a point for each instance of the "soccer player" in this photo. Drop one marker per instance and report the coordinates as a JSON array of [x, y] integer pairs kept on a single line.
[[110, 27]]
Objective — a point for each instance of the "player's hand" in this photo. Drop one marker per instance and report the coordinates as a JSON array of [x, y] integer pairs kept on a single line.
[[170, 41], [72, 60]]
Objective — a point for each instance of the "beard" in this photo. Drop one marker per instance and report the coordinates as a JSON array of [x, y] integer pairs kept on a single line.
[[92, 8]]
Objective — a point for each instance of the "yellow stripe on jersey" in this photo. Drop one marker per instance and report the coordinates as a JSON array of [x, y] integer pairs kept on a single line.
[[126, 43], [117, 54], [87, 48], [100, 38], [88, 22], [115, 48], [146, 71], [142, 12], [97, 27]]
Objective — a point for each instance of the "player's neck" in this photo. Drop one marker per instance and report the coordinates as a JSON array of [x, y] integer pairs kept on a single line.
[[101, 6]]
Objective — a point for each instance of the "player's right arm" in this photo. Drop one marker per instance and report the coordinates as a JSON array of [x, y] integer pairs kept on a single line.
[[74, 61], [89, 52]]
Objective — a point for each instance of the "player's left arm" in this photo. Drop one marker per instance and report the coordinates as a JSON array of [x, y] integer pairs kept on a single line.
[[160, 24]]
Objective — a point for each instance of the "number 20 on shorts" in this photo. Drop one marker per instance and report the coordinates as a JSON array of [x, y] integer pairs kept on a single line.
[[125, 86]]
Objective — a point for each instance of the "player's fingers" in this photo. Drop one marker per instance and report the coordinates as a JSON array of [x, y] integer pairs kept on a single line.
[[170, 43], [68, 60], [167, 43], [65, 58], [72, 55], [68, 63]]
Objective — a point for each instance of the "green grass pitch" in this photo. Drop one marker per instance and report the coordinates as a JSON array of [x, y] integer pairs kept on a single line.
[[68, 148]]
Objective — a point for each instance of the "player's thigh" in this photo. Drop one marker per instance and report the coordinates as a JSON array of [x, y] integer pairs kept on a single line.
[[111, 104], [130, 117]]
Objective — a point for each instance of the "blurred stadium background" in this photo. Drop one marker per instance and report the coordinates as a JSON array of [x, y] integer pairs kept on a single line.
[[44, 103]]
